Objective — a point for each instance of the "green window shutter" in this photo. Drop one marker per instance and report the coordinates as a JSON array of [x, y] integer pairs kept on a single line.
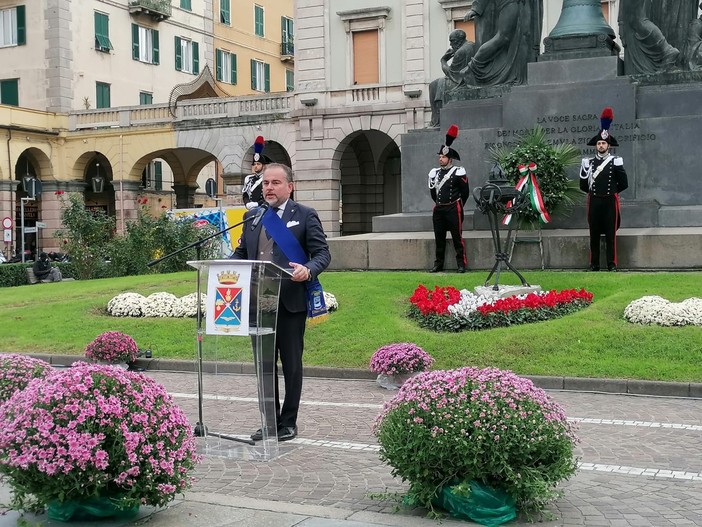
[[225, 12], [154, 37], [9, 92], [186, 4], [178, 55], [266, 77], [102, 95], [135, 42], [102, 32], [253, 74], [233, 58], [196, 58], [258, 21], [158, 175], [218, 65], [21, 26], [145, 98]]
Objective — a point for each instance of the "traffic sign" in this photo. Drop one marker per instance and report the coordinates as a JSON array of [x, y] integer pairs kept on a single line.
[[7, 235], [30, 230], [41, 225], [7, 222]]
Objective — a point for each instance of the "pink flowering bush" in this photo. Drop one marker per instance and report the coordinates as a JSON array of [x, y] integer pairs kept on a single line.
[[93, 431], [485, 425], [401, 358], [16, 371], [112, 346]]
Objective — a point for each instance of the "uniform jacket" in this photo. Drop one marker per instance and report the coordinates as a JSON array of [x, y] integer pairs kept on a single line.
[[610, 181], [454, 187], [252, 189]]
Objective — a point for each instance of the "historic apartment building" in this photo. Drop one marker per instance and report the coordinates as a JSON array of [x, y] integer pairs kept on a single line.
[[140, 91]]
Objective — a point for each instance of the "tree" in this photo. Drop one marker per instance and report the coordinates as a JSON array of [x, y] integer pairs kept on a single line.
[[86, 234]]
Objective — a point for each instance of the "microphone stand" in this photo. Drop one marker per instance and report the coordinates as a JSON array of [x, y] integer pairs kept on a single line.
[[200, 428]]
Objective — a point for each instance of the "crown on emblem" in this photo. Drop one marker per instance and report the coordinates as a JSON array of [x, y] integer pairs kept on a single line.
[[228, 277]]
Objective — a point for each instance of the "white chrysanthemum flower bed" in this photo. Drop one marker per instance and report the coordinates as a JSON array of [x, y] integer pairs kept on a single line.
[[330, 301], [657, 310], [155, 305], [160, 305], [186, 306], [127, 305]]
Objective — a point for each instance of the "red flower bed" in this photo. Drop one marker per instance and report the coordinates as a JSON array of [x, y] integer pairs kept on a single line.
[[436, 301], [533, 301]]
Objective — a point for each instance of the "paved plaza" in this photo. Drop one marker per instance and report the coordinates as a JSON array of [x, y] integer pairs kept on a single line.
[[640, 462]]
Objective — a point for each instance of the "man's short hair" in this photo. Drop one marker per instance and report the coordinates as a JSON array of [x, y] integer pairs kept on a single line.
[[288, 171]]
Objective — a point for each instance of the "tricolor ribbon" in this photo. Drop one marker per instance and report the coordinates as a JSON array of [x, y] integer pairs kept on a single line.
[[529, 182]]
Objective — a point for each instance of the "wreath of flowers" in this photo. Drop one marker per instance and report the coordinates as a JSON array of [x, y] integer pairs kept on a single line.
[[447, 309], [93, 430]]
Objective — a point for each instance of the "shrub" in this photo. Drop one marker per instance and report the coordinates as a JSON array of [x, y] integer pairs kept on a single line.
[[112, 346], [85, 236], [17, 370], [94, 431], [485, 425], [399, 359]]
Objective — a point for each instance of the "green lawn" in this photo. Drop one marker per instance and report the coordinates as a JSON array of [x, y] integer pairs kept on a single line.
[[595, 342]]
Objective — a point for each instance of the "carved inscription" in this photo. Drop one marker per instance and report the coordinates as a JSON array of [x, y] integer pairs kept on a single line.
[[574, 129]]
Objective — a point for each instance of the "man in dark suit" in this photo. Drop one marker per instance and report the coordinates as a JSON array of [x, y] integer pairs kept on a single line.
[[303, 222]]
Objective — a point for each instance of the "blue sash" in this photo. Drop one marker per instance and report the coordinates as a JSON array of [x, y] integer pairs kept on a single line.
[[294, 252]]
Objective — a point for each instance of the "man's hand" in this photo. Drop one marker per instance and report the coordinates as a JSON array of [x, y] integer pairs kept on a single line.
[[470, 15], [300, 272]]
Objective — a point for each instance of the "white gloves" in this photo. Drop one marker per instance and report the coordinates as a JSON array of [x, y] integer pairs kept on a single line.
[[251, 205]]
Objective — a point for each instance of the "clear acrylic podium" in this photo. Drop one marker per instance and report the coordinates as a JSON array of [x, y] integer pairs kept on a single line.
[[231, 287]]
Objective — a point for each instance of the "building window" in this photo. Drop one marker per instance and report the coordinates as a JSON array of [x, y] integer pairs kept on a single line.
[[226, 67], [102, 95], [468, 26], [258, 21], [287, 36], [9, 92], [365, 57], [102, 32], [366, 62], [289, 80], [146, 98], [186, 4], [187, 56], [12, 26], [260, 76], [152, 176], [225, 12], [145, 44]]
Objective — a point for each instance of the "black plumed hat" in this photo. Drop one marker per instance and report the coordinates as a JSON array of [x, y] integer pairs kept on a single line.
[[446, 149], [604, 135]]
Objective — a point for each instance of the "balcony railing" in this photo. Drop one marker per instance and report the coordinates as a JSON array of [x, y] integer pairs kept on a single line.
[[274, 105], [287, 49], [158, 9]]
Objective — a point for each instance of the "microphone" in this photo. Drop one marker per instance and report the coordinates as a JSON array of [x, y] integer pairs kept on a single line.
[[259, 215]]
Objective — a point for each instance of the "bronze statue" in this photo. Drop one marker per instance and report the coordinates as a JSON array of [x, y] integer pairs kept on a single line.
[[508, 37], [693, 45], [454, 64], [673, 18], [646, 49]]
